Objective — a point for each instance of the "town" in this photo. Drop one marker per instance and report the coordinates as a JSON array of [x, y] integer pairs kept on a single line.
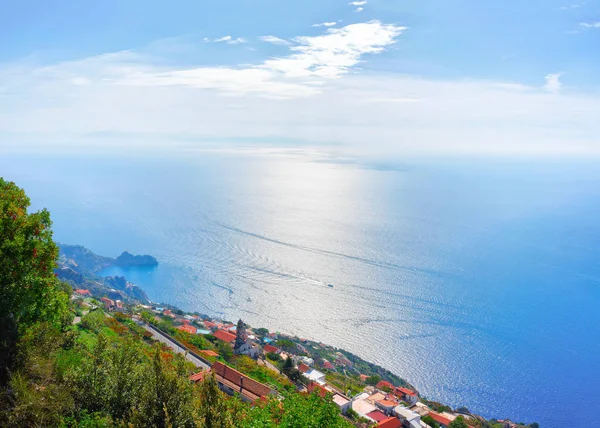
[[253, 363]]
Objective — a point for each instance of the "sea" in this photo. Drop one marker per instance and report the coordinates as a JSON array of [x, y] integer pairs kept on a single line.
[[477, 280]]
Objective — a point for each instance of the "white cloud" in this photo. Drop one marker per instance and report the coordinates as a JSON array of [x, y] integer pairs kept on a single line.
[[301, 73], [236, 41], [274, 40], [358, 3], [553, 84], [325, 24], [130, 98], [573, 6], [359, 9], [336, 52], [223, 39], [589, 25]]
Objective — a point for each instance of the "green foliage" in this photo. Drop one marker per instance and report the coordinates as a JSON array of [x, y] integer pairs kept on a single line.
[[296, 411], [30, 291], [459, 422], [274, 356], [430, 421], [224, 349], [94, 321], [213, 406], [373, 380], [287, 345]]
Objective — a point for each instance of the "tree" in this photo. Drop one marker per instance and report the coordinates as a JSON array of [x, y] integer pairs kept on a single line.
[[430, 421], [224, 350], [29, 291], [213, 407], [373, 380], [459, 422]]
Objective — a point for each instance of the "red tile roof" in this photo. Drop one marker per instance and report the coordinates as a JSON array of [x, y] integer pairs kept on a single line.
[[384, 384], [239, 382], [187, 328], [363, 377], [327, 365], [440, 419], [209, 353], [271, 348], [209, 324], [390, 423], [198, 377], [224, 336], [81, 291], [303, 368], [377, 416], [388, 403], [319, 388], [167, 312], [406, 391]]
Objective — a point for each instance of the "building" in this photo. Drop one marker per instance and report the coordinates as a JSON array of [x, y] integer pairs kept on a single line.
[[225, 336], [82, 293], [377, 416], [407, 417], [270, 348], [385, 385], [312, 374], [442, 420], [342, 402], [362, 406], [233, 382], [390, 423], [327, 365], [198, 377], [187, 328], [108, 303], [407, 395]]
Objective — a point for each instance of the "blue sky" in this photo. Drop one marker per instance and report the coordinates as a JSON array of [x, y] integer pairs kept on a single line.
[[414, 76]]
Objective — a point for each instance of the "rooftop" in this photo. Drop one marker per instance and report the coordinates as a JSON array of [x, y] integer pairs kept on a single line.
[[224, 336], [239, 382]]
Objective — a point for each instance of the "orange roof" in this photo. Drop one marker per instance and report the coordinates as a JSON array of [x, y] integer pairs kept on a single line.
[[198, 377], [81, 291], [242, 383], [388, 403], [327, 365], [303, 368], [187, 328], [390, 423], [167, 312], [224, 336], [440, 419], [209, 324], [319, 388], [271, 348], [209, 353], [384, 384], [406, 391], [363, 377]]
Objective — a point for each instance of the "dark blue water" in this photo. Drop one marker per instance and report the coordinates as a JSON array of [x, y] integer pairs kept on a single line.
[[477, 281]]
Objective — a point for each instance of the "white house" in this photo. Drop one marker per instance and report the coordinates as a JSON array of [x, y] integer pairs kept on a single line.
[[408, 417]]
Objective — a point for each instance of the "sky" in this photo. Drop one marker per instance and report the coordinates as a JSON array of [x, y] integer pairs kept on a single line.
[[375, 78]]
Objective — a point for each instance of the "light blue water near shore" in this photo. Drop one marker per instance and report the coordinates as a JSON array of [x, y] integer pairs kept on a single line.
[[479, 282]]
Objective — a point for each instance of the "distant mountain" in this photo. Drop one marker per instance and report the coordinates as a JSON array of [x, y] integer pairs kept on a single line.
[[79, 266], [126, 260]]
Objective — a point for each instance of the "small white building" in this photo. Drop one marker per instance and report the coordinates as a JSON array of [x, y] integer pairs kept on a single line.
[[315, 376], [408, 417], [342, 402]]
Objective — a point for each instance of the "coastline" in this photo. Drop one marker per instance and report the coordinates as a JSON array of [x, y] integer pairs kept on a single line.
[[345, 361]]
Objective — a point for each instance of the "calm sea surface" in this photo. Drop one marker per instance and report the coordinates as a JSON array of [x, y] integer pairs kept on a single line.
[[478, 282]]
